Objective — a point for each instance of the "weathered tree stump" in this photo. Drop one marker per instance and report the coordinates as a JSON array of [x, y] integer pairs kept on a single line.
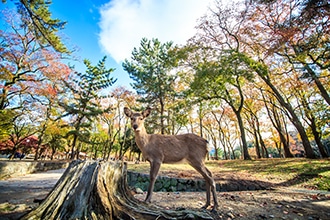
[[99, 190]]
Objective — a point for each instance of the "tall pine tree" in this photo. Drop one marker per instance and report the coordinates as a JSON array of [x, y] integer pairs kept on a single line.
[[83, 103], [150, 69]]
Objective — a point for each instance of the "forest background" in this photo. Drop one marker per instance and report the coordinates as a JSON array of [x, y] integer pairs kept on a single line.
[[253, 80]]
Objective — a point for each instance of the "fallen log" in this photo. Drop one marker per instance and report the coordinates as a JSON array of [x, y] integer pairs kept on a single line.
[[99, 190]]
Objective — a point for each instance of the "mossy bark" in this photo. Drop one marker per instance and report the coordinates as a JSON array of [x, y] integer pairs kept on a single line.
[[99, 190]]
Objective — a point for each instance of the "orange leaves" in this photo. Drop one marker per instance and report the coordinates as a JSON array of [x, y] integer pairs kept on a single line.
[[51, 90], [47, 90], [27, 68], [55, 69]]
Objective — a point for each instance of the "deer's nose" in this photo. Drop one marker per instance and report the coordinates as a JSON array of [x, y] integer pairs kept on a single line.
[[135, 127]]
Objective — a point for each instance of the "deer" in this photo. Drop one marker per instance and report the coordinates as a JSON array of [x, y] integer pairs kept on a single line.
[[158, 149]]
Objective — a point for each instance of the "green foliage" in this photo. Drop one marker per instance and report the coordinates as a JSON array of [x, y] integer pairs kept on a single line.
[[273, 152], [85, 90], [214, 77], [57, 142], [150, 70], [128, 142], [7, 118], [259, 67], [98, 142], [223, 78], [82, 99], [37, 17]]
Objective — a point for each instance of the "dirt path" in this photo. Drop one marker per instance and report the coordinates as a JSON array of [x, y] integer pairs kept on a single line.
[[17, 195]]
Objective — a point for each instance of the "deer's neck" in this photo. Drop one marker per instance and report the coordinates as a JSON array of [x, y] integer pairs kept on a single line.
[[141, 138]]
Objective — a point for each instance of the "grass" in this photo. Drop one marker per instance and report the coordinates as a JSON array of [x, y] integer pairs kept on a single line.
[[299, 172]]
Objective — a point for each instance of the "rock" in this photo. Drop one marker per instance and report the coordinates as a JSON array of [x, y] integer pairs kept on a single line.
[[230, 215], [138, 191]]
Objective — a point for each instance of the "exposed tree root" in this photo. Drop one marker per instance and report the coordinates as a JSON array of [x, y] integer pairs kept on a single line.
[[98, 190]]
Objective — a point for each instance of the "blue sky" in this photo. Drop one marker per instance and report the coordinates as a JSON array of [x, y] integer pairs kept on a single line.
[[113, 28]]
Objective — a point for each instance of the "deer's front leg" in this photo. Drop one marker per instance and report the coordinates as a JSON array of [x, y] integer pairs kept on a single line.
[[154, 168]]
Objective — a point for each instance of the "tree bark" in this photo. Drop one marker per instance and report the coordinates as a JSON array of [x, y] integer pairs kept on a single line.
[[262, 71], [293, 118], [98, 190]]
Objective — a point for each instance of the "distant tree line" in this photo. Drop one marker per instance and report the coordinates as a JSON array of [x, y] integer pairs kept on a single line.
[[253, 80]]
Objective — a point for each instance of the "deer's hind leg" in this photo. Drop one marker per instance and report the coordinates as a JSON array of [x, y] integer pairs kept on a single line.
[[213, 189], [209, 181]]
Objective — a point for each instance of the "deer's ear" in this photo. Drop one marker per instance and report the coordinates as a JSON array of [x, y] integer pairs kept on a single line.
[[146, 112], [127, 112]]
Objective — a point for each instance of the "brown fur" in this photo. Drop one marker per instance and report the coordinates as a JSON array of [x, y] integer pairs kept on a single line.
[[158, 149]]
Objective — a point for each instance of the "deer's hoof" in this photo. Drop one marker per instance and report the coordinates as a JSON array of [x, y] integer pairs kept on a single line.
[[148, 200], [205, 206], [214, 210]]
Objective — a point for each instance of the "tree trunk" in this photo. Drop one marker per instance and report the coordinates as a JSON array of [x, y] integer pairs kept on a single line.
[[245, 152], [318, 83], [263, 147], [262, 72], [277, 120], [98, 190], [257, 144], [293, 118], [317, 138], [75, 137]]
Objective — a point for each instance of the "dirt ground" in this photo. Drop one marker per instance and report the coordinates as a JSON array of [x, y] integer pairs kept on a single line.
[[277, 202]]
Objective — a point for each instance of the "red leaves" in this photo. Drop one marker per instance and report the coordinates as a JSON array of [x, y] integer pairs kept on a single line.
[[27, 67]]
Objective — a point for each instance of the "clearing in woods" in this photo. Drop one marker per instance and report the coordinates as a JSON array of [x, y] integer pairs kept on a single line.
[[299, 189]]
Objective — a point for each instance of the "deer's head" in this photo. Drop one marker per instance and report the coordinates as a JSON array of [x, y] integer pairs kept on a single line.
[[137, 118]]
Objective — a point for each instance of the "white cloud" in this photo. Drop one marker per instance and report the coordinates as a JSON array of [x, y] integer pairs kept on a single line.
[[125, 22]]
